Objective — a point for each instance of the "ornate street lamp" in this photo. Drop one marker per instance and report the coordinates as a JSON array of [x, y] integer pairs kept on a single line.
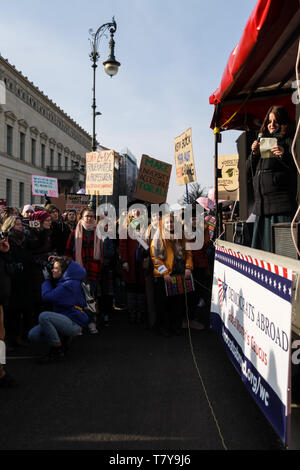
[[111, 66]]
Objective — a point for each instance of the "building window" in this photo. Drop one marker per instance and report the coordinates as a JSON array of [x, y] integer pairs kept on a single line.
[[51, 158], [22, 146], [21, 195], [66, 163], [33, 151], [8, 192], [9, 140], [59, 161], [43, 156]]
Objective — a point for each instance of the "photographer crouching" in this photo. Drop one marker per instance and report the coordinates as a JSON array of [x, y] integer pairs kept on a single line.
[[61, 288]]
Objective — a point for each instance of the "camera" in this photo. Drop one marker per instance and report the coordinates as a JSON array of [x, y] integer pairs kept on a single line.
[[47, 266], [34, 224], [3, 235]]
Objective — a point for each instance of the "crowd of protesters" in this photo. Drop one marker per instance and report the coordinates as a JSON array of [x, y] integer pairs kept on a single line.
[[46, 256]]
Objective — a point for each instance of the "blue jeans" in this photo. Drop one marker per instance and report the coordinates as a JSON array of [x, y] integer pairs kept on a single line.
[[50, 325]]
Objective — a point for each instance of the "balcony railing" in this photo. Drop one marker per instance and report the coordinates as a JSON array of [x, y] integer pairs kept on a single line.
[[80, 168]]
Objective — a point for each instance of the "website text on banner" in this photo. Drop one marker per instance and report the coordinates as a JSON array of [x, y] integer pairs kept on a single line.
[[184, 158], [100, 173], [251, 310], [44, 185]]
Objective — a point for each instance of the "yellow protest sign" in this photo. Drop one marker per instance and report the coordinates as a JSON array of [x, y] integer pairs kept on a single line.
[[228, 183], [184, 158]]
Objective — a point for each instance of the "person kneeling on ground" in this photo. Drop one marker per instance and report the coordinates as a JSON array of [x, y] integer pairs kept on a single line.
[[63, 290]]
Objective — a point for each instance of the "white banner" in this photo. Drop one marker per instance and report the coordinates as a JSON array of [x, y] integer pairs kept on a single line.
[[42, 185], [251, 309]]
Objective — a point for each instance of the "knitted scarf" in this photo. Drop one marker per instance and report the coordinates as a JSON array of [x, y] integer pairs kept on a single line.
[[91, 227]]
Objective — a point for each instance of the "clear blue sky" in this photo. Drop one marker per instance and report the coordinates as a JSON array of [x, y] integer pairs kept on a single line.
[[172, 56]]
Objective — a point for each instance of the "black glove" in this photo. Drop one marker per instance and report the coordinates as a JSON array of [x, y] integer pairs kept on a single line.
[[46, 274]]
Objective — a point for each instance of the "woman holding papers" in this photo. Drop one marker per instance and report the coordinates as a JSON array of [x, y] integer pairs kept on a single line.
[[274, 176], [172, 271]]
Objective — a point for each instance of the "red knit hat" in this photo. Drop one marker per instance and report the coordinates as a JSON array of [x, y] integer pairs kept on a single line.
[[40, 215]]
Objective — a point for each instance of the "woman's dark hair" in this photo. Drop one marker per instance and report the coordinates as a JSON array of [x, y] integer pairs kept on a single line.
[[86, 209], [282, 118], [63, 261]]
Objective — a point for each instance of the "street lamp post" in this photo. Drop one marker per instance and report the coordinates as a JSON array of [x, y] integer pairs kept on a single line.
[[111, 67]]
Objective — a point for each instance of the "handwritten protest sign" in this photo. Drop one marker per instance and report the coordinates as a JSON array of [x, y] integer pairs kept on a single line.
[[184, 159], [77, 202], [100, 173], [44, 185], [153, 180], [228, 183]]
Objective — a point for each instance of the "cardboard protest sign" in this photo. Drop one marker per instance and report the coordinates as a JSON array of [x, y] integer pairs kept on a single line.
[[42, 185], [228, 184], [184, 159], [77, 202], [100, 173], [153, 180]]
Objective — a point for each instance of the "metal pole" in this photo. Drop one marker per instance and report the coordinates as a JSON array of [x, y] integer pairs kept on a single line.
[[187, 194], [216, 185], [94, 55], [94, 143]]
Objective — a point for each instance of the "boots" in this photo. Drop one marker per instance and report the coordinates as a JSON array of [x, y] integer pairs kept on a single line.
[[55, 354], [66, 343]]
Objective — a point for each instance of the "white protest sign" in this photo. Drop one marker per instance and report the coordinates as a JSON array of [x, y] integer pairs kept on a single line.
[[251, 309], [100, 173], [44, 185]]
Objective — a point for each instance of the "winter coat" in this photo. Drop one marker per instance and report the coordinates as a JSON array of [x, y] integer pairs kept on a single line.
[[22, 275], [132, 253], [67, 297], [39, 245], [274, 181], [5, 284], [163, 267], [93, 267], [200, 257], [59, 236]]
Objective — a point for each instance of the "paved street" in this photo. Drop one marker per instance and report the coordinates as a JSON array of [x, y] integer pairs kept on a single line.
[[129, 389]]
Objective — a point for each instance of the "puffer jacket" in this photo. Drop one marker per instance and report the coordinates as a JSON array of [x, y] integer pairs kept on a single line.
[[67, 297]]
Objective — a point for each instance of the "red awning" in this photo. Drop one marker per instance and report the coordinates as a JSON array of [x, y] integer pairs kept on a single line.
[[261, 67]]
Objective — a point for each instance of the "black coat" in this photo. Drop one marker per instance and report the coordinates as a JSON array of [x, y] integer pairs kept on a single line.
[[60, 232], [21, 277], [274, 181], [5, 284], [39, 244]]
